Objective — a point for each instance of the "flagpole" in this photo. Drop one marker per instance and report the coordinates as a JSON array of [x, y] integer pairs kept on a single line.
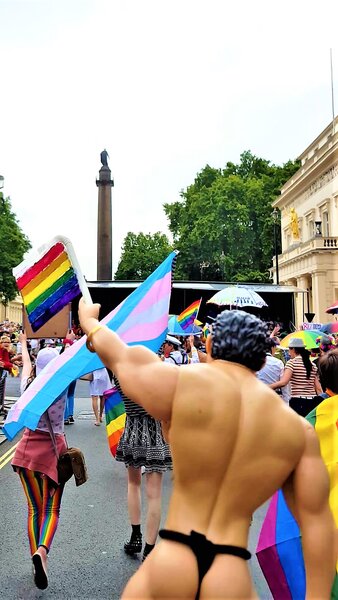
[[199, 307]]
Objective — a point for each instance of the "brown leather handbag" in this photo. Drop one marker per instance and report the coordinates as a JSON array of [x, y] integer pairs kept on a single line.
[[71, 462]]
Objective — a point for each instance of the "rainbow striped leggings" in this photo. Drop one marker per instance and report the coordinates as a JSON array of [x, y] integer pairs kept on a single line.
[[43, 508]]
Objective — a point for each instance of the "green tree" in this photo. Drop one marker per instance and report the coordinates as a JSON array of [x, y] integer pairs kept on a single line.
[[223, 224], [13, 245], [142, 254]]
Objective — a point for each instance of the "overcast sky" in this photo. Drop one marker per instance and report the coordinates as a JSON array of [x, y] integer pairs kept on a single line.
[[165, 86]]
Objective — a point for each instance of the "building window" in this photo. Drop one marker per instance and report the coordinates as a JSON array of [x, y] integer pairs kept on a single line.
[[310, 228], [325, 224]]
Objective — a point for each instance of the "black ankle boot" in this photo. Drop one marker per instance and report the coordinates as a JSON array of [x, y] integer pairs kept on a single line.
[[134, 545]]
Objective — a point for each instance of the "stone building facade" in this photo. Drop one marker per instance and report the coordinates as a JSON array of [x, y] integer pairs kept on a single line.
[[13, 311], [309, 228]]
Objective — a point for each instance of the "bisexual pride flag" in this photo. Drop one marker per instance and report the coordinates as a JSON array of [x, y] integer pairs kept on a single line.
[[279, 550], [48, 279], [142, 318]]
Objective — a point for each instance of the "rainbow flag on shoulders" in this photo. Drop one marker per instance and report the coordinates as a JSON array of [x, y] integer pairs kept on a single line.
[[115, 417], [188, 315]]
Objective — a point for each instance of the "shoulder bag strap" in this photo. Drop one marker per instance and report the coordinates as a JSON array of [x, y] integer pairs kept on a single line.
[[52, 434]]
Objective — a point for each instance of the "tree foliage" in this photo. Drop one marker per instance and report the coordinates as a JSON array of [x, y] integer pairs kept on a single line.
[[142, 254], [223, 225], [13, 245]]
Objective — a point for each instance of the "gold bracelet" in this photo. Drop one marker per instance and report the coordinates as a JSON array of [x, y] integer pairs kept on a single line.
[[89, 342]]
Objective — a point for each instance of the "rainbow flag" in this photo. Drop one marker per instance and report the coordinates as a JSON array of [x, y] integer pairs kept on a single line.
[[115, 417], [188, 316], [48, 280], [279, 549], [142, 318]]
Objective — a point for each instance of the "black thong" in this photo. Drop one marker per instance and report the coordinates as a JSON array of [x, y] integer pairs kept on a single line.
[[204, 550]]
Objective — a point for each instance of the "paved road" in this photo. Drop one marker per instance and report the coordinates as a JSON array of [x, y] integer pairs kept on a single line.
[[87, 559]]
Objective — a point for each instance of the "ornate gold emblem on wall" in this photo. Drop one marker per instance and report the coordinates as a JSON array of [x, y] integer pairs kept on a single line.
[[294, 223]]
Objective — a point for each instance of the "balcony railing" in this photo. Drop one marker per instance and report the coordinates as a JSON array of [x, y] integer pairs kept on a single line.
[[330, 242], [319, 243]]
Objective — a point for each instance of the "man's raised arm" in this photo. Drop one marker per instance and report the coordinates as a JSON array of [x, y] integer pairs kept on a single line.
[[142, 375]]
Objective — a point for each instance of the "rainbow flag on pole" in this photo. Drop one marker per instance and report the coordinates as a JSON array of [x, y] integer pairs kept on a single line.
[[48, 280], [279, 549], [188, 316], [142, 318]]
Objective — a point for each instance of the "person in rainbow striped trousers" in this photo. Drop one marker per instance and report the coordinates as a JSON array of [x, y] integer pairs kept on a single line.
[[36, 463]]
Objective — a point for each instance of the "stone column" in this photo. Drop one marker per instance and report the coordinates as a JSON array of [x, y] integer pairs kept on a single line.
[[319, 296], [104, 225], [302, 299]]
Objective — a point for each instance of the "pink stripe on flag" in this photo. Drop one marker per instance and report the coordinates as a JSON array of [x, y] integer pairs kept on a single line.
[[49, 370], [153, 294], [267, 536], [146, 331]]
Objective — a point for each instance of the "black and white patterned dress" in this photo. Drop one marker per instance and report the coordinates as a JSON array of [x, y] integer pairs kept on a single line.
[[142, 443]]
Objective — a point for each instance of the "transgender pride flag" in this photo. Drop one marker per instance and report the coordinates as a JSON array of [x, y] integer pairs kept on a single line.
[[142, 318]]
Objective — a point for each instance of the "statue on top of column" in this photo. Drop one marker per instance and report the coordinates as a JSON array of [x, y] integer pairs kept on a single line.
[[104, 158]]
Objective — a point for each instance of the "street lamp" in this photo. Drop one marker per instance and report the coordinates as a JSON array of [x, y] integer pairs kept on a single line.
[[275, 217], [203, 265]]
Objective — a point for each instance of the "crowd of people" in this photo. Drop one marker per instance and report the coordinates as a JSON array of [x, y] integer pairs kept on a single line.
[[221, 383]]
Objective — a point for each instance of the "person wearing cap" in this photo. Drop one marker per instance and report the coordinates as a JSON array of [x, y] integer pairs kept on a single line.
[[302, 375], [234, 443], [35, 462], [171, 351]]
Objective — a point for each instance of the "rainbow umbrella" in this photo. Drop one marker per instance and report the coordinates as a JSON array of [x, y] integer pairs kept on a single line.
[[309, 338]]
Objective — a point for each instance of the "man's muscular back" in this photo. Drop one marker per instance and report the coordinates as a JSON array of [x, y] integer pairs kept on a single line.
[[228, 433], [234, 443]]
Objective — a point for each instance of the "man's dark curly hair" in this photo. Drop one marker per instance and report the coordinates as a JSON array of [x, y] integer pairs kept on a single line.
[[240, 337]]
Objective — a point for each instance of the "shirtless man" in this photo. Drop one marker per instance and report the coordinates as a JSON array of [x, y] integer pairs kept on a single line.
[[234, 443]]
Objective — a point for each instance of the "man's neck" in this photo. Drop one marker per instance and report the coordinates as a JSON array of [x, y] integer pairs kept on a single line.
[[228, 365]]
